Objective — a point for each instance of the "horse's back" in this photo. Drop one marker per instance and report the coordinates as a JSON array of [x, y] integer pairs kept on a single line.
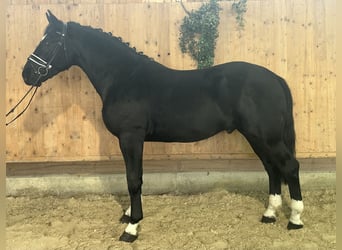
[[197, 104], [172, 105]]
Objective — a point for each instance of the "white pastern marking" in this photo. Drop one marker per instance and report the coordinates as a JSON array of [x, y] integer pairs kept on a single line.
[[274, 202], [132, 229], [297, 208], [43, 37], [128, 211]]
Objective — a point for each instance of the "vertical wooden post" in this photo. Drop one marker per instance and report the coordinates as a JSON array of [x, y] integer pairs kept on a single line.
[[2, 125]]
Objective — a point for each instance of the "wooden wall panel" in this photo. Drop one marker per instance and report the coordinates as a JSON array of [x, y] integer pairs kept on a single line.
[[296, 39]]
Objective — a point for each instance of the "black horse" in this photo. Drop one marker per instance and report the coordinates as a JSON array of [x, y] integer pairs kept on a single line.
[[146, 101]]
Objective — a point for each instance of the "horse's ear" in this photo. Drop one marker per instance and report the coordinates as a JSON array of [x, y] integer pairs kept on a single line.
[[51, 18]]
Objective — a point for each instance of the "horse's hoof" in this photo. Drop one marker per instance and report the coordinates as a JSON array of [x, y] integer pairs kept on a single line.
[[266, 219], [126, 237], [125, 219], [292, 226]]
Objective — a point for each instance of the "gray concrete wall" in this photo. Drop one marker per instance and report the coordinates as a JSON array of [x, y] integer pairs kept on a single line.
[[156, 183]]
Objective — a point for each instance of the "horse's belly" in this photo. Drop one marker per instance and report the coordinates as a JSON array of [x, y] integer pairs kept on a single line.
[[178, 137], [193, 121], [188, 130]]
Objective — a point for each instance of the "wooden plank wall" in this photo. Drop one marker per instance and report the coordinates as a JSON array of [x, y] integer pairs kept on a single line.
[[294, 38]]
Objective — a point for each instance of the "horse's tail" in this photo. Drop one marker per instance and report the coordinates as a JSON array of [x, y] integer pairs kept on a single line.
[[289, 135]]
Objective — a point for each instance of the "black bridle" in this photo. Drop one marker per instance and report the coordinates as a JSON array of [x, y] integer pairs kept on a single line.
[[41, 68]]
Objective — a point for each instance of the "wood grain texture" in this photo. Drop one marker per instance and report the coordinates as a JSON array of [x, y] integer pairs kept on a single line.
[[295, 39]]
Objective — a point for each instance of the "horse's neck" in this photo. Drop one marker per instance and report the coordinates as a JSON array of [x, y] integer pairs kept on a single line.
[[103, 63]]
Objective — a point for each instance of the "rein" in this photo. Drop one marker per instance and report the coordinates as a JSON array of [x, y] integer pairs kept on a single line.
[[22, 99]]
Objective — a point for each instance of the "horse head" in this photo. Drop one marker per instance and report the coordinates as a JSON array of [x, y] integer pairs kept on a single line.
[[50, 56]]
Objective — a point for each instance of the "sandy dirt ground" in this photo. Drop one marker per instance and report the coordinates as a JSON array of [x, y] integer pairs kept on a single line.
[[216, 220]]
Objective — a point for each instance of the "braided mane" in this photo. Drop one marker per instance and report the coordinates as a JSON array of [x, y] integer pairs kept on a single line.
[[110, 36]]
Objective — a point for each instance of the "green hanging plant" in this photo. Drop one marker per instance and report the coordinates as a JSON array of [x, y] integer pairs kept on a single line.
[[240, 8], [198, 33]]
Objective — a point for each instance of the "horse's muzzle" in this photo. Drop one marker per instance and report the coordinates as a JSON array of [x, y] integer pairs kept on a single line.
[[30, 77]]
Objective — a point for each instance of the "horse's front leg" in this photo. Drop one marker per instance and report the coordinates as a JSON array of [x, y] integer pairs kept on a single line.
[[131, 145]]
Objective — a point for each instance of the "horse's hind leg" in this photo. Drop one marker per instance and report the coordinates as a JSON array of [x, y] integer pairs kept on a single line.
[[274, 200], [288, 167], [280, 162]]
